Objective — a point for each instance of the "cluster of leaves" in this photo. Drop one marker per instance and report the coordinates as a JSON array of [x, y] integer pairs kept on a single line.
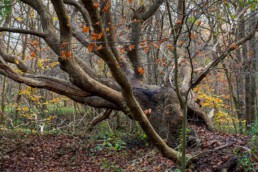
[[248, 159], [210, 101], [35, 109], [5, 7], [179, 147], [118, 140]]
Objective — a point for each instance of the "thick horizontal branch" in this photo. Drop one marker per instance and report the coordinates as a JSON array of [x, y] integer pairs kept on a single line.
[[15, 60], [23, 31], [53, 84], [59, 86], [11, 58]]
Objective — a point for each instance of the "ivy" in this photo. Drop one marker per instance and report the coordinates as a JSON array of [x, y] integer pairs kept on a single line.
[[5, 7]]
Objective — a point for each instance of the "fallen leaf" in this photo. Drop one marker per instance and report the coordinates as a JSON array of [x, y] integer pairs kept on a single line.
[[85, 29], [140, 70], [99, 47]]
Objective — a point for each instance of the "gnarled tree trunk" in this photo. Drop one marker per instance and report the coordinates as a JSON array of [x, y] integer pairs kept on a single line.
[[166, 114]]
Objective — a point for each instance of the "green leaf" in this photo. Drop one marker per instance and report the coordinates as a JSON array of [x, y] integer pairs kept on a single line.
[[191, 19], [227, 4], [252, 7], [233, 16]]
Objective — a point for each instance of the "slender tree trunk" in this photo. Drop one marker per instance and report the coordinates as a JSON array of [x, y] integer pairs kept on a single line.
[[233, 99], [240, 78], [8, 22], [19, 96], [251, 80], [2, 120], [18, 102]]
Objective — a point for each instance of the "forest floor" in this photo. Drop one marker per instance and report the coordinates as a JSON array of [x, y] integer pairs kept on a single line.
[[80, 153]]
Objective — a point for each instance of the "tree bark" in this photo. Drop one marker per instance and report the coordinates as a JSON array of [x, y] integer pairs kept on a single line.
[[250, 85], [166, 114], [2, 118]]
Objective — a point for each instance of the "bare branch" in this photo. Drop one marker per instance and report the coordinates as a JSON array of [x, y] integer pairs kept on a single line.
[[45, 17], [151, 10], [99, 118], [64, 23], [23, 31], [7, 57], [82, 10], [223, 56], [52, 84], [140, 15], [58, 86], [13, 59]]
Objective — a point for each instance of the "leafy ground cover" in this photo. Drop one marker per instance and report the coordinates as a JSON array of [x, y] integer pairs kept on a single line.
[[35, 152]]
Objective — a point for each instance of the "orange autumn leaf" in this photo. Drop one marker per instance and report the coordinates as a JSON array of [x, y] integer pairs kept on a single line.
[[199, 52], [181, 42], [85, 29], [99, 47], [33, 54], [163, 62], [69, 54], [146, 49], [121, 34], [193, 36], [179, 21], [170, 47], [198, 23], [233, 46], [107, 6], [122, 50], [107, 29], [162, 40], [143, 43], [90, 47], [63, 54], [140, 70], [155, 45], [131, 47], [96, 4], [147, 112], [63, 45], [94, 36], [130, 1], [212, 10], [250, 53], [117, 64], [136, 21], [34, 43], [100, 35]]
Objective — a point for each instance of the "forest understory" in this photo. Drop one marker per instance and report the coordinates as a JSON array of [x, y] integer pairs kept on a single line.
[[36, 152]]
